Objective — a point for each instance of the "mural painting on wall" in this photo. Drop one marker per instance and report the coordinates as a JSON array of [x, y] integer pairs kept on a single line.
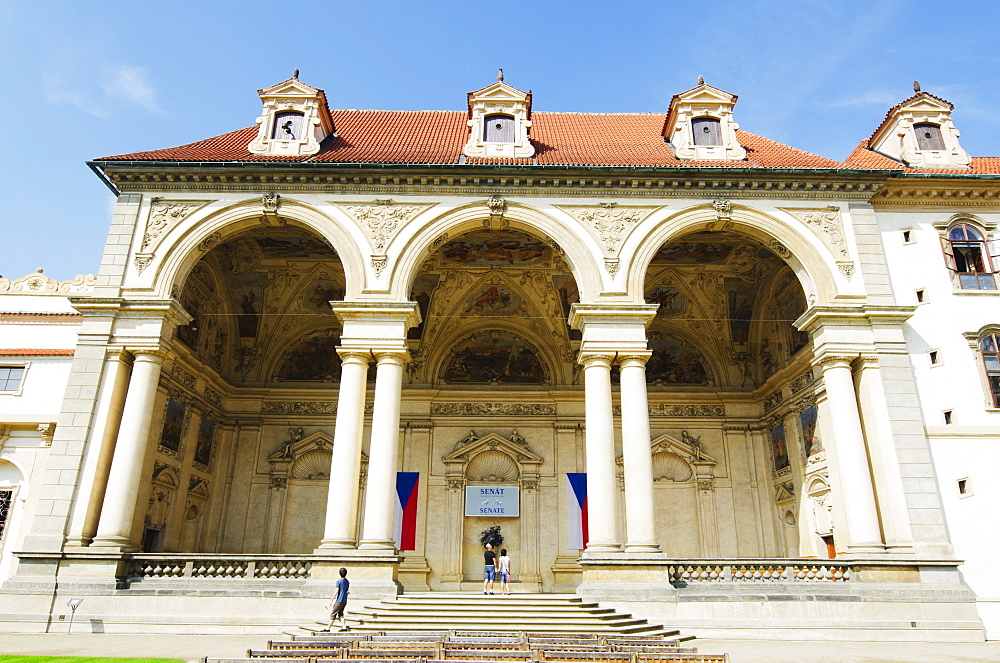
[[674, 362], [203, 448], [669, 299], [248, 292], [799, 339], [422, 292], [494, 357], [569, 294], [507, 247], [314, 359], [690, 252], [741, 300], [493, 300], [294, 247], [810, 431], [779, 447], [189, 332], [173, 425], [323, 293]]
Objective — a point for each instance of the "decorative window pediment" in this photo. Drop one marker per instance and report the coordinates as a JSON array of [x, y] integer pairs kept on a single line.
[[700, 125], [919, 132], [294, 121], [499, 120]]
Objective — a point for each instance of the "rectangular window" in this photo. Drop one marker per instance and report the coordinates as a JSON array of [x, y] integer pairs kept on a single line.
[[934, 358], [949, 417], [964, 487], [921, 296], [907, 236], [498, 129], [11, 377]]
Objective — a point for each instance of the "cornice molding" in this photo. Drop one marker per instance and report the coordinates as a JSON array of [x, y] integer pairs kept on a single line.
[[378, 179], [968, 191]]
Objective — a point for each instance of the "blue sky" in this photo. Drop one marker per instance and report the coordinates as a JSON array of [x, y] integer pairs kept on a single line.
[[83, 80]]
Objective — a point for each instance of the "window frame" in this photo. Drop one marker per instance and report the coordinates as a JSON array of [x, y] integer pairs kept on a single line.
[[703, 120], [511, 128], [24, 365], [937, 139], [287, 114], [980, 243], [992, 392]]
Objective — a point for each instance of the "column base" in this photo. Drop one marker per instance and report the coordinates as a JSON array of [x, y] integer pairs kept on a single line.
[[378, 546], [113, 544], [644, 549], [863, 550], [602, 549], [335, 547]]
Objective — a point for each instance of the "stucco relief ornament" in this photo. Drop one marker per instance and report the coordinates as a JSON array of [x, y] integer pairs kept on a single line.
[[142, 262], [163, 215], [382, 219], [723, 209], [209, 242], [270, 202], [378, 264], [846, 268], [826, 223]]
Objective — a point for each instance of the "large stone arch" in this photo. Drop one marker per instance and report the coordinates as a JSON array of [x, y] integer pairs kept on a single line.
[[191, 241], [812, 265], [579, 252]]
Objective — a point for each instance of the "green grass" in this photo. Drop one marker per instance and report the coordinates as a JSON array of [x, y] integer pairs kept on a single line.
[[83, 659]]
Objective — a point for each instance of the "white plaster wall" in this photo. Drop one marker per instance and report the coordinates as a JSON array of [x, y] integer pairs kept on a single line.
[[972, 518], [41, 392]]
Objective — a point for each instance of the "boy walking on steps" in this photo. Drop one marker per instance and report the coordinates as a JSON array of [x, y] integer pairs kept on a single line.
[[339, 602]]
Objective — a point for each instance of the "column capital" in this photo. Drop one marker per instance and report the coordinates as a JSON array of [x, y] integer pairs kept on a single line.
[[391, 356], [868, 361], [828, 362], [150, 354], [588, 359], [354, 356], [634, 358]]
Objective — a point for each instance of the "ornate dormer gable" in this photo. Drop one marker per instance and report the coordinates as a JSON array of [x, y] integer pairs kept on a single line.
[[499, 120], [919, 132], [294, 121], [700, 125]]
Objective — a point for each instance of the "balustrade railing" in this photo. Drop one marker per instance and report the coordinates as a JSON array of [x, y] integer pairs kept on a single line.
[[689, 573], [218, 567]]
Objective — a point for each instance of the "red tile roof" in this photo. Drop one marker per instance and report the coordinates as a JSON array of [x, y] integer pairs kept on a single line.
[[437, 137], [36, 352], [864, 157]]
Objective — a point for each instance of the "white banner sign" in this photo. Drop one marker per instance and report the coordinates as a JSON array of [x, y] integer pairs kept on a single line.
[[493, 501]]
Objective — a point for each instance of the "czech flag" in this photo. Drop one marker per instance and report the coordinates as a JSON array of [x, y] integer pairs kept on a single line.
[[576, 507], [405, 524]]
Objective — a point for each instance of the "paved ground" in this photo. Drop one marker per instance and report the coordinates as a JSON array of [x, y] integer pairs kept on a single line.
[[193, 647]]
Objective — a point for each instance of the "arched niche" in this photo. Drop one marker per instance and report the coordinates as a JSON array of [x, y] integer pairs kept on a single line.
[[580, 252]]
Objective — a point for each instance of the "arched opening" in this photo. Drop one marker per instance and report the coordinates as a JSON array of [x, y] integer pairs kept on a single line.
[[724, 331]]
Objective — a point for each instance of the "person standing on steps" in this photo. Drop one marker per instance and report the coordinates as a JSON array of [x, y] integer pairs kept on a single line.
[[490, 559], [339, 603], [504, 570]]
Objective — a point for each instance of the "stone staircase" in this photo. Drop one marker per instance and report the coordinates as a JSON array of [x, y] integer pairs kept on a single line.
[[531, 613]]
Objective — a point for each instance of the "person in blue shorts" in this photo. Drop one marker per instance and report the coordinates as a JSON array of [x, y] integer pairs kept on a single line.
[[491, 569], [339, 602]]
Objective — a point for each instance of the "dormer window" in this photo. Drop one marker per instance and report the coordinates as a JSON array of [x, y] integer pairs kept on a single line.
[[928, 136], [294, 120], [287, 126], [499, 121], [498, 129], [966, 255], [706, 131], [700, 126]]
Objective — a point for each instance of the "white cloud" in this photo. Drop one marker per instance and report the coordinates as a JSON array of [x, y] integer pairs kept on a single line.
[[58, 93], [130, 84]]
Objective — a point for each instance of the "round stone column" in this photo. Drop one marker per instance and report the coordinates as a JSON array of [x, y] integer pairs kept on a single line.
[[118, 511], [341, 526], [640, 524], [602, 507], [854, 474], [380, 500]]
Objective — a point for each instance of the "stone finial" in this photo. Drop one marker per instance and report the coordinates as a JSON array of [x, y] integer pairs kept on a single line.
[[916, 86], [500, 75], [701, 80], [295, 74]]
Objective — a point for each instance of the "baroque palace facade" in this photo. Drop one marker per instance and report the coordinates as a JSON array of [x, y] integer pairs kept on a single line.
[[771, 378]]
